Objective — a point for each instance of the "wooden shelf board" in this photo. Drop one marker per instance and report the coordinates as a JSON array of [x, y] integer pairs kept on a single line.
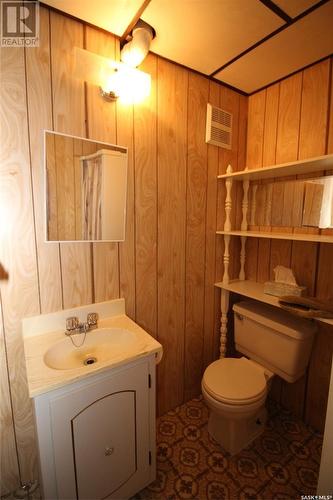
[[320, 238], [255, 291], [308, 166]]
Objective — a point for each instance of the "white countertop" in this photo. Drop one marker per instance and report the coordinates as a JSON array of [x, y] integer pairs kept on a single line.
[[42, 378]]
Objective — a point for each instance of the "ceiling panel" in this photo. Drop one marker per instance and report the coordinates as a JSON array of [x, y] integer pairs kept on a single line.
[[111, 15], [299, 45], [203, 34], [295, 7]]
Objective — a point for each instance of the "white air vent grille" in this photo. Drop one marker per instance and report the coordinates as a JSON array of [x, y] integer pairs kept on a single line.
[[218, 127], [220, 136]]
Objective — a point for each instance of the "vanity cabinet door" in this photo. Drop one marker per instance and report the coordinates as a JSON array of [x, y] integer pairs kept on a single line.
[[95, 436], [104, 445]]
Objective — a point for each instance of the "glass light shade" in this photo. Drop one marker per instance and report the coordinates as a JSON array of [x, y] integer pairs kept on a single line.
[[134, 52], [134, 56]]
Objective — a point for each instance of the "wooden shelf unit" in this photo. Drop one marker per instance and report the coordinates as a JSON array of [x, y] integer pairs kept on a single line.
[[242, 286], [309, 166], [255, 290], [319, 238]]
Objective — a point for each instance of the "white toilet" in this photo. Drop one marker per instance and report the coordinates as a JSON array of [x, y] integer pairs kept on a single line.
[[235, 389]]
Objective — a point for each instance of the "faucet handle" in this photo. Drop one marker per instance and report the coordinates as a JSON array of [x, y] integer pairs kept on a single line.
[[92, 319], [72, 323]]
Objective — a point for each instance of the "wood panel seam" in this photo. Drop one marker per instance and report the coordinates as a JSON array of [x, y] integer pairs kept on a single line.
[[300, 115], [31, 179], [134, 220], [118, 249], [10, 390], [157, 202], [275, 152], [185, 242], [205, 254], [261, 166], [330, 99], [52, 121], [86, 114]]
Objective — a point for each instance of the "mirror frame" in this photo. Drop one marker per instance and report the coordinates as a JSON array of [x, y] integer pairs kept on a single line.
[[114, 147]]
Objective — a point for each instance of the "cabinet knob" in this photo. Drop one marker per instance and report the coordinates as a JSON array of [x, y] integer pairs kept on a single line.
[[108, 451]]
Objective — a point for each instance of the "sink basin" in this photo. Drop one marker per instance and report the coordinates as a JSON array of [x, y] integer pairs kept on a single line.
[[100, 345]]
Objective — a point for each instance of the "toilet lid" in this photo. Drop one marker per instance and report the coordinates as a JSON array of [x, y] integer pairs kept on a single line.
[[234, 380]]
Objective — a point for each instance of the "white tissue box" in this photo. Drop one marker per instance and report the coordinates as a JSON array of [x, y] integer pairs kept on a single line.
[[281, 289]]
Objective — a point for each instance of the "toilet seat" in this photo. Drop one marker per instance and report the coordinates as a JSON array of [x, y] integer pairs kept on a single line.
[[235, 381]]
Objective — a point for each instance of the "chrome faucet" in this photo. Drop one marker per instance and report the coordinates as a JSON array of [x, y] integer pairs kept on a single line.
[[74, 326]]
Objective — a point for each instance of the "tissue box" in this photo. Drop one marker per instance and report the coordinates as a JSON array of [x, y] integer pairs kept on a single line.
[[280, 289]]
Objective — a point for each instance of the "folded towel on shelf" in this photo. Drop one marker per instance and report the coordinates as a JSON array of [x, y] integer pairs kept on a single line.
[[307, 307]]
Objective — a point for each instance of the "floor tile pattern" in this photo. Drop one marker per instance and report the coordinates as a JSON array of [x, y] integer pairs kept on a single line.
[[280, 464]]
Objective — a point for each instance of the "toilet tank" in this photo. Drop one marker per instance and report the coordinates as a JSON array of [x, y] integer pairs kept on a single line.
[[274, 338]]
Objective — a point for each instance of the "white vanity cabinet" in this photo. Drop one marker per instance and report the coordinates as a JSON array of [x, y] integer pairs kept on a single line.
[[96, 436]]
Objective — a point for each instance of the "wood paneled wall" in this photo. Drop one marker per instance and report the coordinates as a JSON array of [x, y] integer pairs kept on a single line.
[[287, 121], [166, 267]]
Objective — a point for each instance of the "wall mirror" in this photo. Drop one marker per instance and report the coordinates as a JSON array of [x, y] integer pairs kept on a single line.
[[292, 203], [85, 188]]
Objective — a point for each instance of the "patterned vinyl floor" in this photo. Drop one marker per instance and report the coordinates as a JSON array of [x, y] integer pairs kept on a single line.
[[280, 464]]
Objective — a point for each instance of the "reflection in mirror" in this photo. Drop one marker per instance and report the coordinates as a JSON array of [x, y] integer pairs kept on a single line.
[[296, 203], [86, 183], [318, 202]]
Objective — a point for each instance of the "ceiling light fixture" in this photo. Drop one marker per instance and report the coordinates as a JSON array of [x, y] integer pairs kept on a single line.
[[137, 48]]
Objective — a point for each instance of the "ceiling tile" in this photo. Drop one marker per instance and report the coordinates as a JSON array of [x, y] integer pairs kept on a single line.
[[111, 15], [295, 7], [299, 45], [205, 34]]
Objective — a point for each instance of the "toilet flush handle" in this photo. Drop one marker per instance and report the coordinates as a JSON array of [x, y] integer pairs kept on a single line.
[[239, 316]]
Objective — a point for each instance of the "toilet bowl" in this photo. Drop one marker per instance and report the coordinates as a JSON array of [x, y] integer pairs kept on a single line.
[[235, 389]]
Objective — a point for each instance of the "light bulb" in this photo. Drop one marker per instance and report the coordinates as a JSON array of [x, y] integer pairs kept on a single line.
[[129, 84]]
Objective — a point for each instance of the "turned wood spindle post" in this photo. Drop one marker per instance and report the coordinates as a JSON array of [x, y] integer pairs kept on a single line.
[[245, 206], [224, 322], [228, 201], [226, 260]]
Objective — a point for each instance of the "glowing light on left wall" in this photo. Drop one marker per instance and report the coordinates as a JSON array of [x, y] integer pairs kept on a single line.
[[116, 79], [130, 85]]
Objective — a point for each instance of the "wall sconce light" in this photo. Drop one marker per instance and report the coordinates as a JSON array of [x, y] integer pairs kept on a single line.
[[119, 80], [127, 84]]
